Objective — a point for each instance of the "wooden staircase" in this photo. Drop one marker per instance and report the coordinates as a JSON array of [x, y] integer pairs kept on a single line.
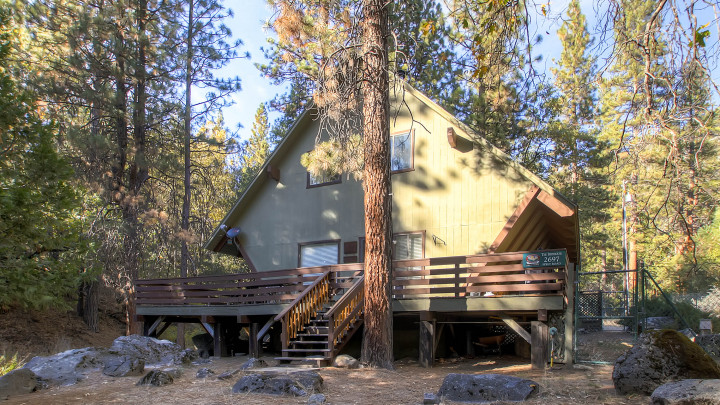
[[318, 324]]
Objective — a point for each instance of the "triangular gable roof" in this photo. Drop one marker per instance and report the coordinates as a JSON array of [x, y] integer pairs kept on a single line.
[[218, 235]]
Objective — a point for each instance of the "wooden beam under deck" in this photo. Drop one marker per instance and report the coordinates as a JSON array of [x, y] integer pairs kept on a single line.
[[503, 304], [212, 310]]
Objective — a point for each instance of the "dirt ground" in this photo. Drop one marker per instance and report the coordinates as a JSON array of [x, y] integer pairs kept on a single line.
[[407, 384], [30, 333]]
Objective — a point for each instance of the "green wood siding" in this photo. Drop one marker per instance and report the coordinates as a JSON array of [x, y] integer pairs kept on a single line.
[[463, 197]]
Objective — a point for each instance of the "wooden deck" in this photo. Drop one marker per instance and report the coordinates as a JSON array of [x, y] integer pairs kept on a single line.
[[490, 282], [320, 308]]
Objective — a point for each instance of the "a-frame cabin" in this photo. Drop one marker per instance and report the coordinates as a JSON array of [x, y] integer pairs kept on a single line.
[[484, 251]]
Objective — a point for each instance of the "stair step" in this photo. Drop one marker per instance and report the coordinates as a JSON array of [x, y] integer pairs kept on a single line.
[[305, 350], [312, 335], [309, 342], [291, 358]]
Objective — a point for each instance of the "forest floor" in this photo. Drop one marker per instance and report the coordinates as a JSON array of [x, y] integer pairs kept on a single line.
[[407, 384], [30, 333]]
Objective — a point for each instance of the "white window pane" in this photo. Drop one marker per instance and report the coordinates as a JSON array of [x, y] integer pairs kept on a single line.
[[408, 246], [319, 255], [401, 151]]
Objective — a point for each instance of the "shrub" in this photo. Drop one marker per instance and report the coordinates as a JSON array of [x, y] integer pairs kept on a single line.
[[8, 364]]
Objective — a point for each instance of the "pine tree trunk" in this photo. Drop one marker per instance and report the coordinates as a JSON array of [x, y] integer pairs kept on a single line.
[[87, 307], [377, 349], [185, 216]]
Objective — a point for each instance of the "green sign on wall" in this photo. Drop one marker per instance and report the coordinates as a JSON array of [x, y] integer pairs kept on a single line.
[[551, 258]]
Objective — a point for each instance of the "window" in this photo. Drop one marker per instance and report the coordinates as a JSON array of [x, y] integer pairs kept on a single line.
[[408, 246], [401, 151], [319, 253], [322, 180]]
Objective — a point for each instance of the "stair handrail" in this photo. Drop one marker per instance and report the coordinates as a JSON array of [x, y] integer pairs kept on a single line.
[[302, 309], [348, 307], [359, 283]]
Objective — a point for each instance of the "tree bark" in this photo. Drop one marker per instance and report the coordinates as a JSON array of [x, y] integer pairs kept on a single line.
[[185, 216], [377, 349], [87, 306]]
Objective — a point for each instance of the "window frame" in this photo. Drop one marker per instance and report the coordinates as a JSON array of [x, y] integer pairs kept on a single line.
[[422, 236], [411, 168], [309, 184], [336, 242]]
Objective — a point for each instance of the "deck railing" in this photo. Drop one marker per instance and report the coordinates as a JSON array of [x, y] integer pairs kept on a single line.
[[477, 275], [267, 287], [455, 276]]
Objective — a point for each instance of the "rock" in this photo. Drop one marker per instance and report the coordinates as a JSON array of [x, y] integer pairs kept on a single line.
[[153, 351], [253, 363], [205, 344], [316, 399], [157, 378], [345, 361], [121, 366], [174, 372], [485, 388], [189, 356], [299, 383], [65, 368], [228, 374], [686, 392], [430, 399], [204, 373], [660, 357], [17, 382]]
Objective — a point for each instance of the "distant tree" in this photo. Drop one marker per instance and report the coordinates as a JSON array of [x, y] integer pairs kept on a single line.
[[254, 151], [42, 250]]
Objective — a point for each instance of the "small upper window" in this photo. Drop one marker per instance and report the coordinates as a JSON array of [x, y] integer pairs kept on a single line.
[[401, 151], [322, 180]]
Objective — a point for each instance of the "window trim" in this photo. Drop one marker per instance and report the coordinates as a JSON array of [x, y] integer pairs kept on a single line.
[[422, 235], [319, 242], [412, 151], [327, 183]]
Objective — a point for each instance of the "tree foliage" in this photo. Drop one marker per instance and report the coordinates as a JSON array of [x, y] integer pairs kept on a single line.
[[42, 248]]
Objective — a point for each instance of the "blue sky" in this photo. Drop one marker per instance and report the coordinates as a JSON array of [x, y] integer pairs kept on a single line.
[[247, 25]]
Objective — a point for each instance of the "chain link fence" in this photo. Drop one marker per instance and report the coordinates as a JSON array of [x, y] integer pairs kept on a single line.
[[609, 321]]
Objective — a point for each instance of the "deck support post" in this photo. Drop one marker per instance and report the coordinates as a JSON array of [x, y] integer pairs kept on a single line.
[[218, 339], [570, 314], [539, 349], [426, 355], [253, 343]]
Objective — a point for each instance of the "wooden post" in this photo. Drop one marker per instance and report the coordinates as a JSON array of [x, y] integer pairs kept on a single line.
[[570, 314], [218, 340], [426, 355], [539, 349], [254, 345]]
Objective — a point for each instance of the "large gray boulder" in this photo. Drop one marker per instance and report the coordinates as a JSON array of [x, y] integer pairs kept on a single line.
[[660, 357], [65, 368], [152, 351], [687, 392], [299, 383], [18, 382], [486, 388], [121, 366]]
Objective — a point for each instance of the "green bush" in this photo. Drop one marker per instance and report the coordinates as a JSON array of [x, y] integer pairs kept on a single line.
[[8, 364]]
